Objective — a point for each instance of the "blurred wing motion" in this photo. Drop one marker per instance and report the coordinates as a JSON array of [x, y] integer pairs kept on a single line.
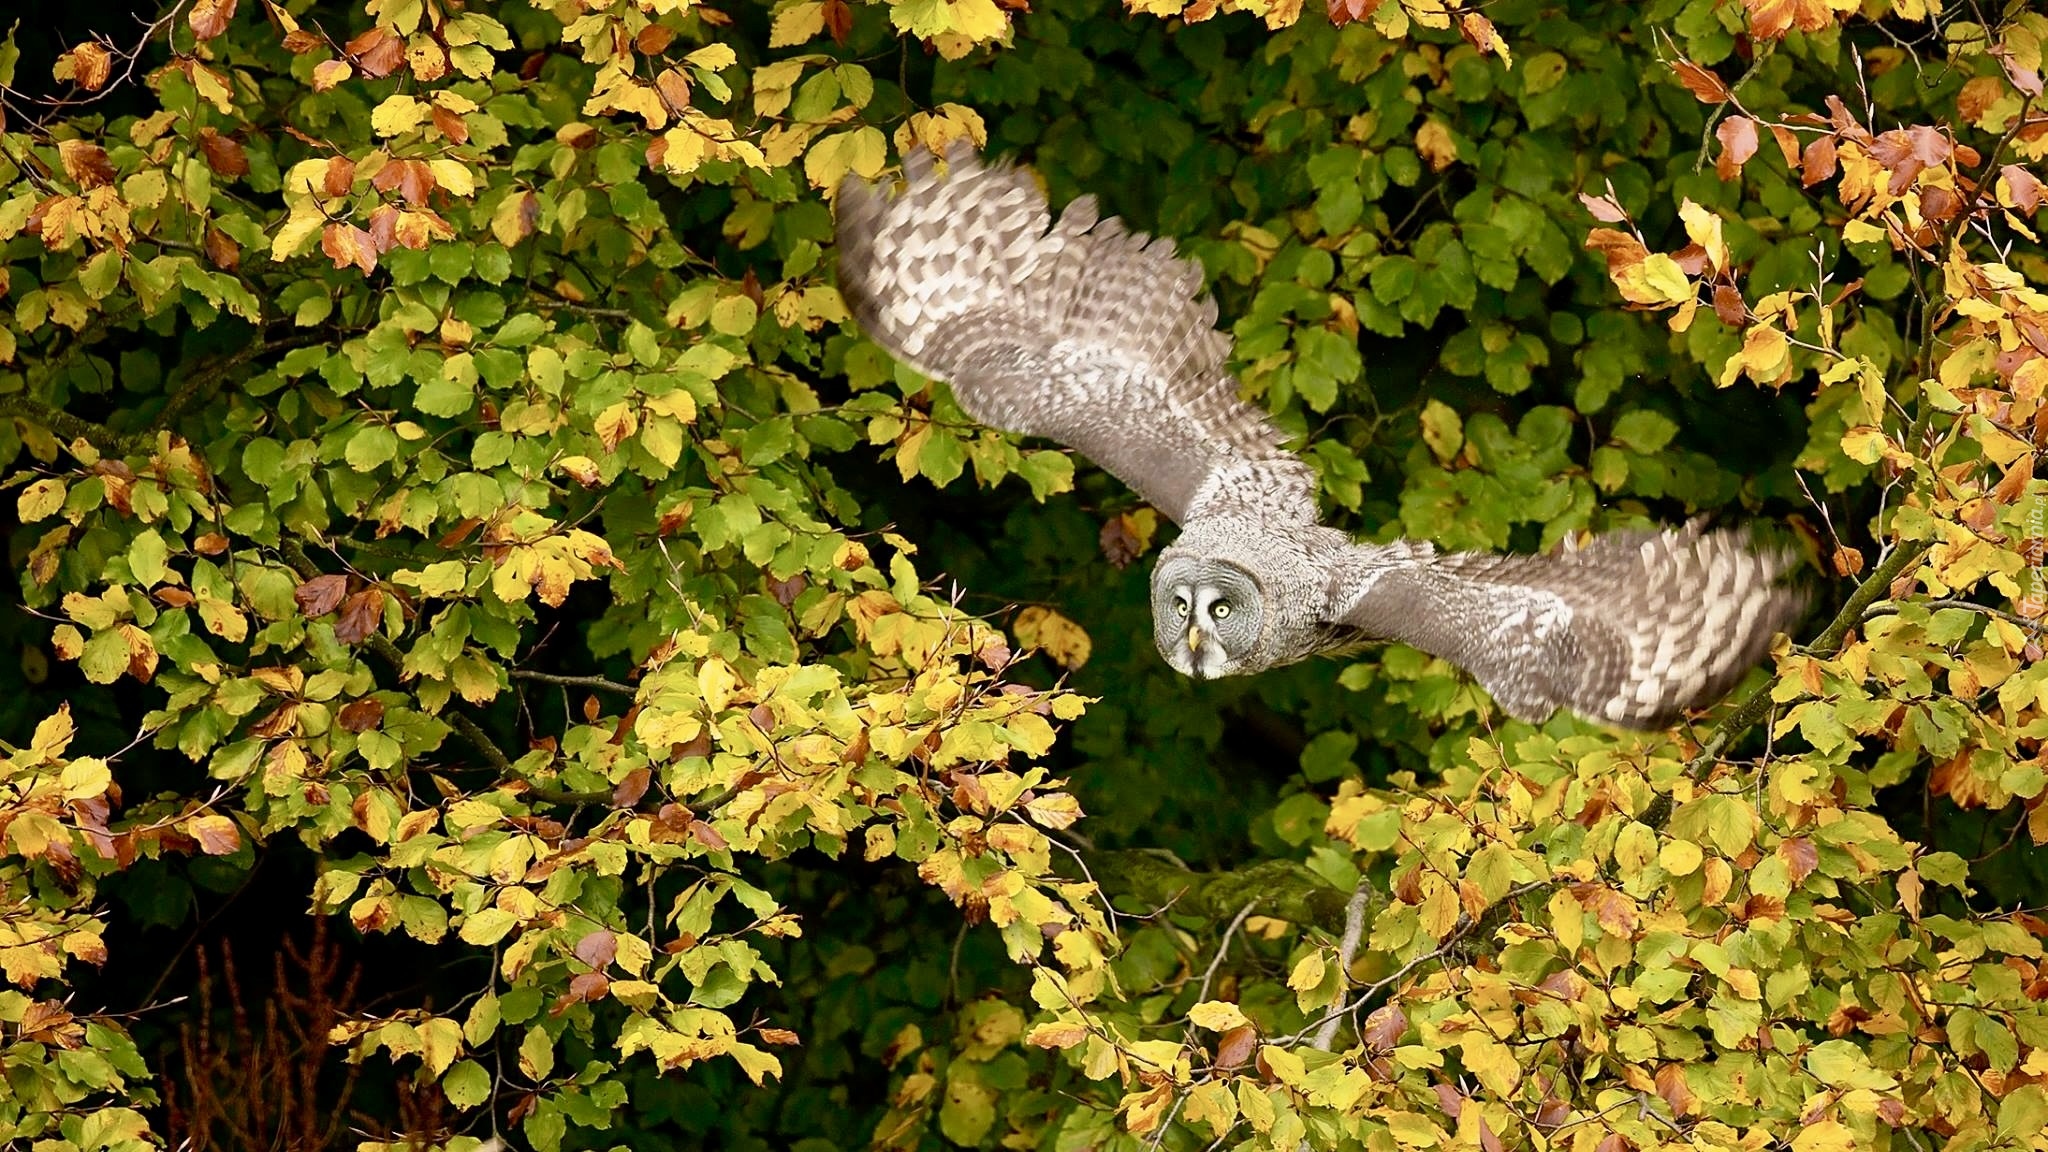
[[1080, 332], [1633, 629]]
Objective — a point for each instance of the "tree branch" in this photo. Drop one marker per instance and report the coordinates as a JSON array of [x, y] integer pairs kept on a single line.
[[1347, 951], [1283, 889], [594, 683], [209, 374], [69, 427]]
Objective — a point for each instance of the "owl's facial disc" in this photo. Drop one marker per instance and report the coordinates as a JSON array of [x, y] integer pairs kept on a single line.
[[1205, 616]]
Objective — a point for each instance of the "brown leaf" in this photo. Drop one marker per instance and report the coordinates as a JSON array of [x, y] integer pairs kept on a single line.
[[626, 793], [1479, 32], [1800, 856], [209, 18], [1907, 152], [1978, 96], [347, 244], [2027, 80], [597, 949], [1618, 915], [781, 1036], [221, 249], [320, 595], [48, 1022], [2013, 484], [378, 52], [786, 591], [1819, 162], [1847, 561], [383, 230], [838, 16], [361, 715], [340, 177], [91, 65], [1344, 12], [298, 41], [654, 39], [1604, 208], [217, 835], [361, 615], [1788, 144], [1236, 1046], [2022, 187], [85, 162], [586, 987], [1705, 87], [1846, 1016], [223, 154], [454, 127], [1728, 306], [1384, 1027], [413, 180], [1771, 19], [1676, 1092], [1621, 250], [674, 89], [1737, 135]]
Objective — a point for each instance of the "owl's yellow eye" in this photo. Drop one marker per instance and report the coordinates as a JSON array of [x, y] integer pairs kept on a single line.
[[1180, 607], [1221, 609]]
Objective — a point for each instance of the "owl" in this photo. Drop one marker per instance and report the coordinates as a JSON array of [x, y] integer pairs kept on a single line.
[[1086, 333]]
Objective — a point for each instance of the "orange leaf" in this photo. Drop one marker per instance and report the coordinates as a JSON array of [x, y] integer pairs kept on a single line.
[[209, 18], [1705, 86], [1738, 143]]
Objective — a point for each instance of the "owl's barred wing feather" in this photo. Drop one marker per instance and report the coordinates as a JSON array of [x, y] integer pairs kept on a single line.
[[1081, 332], [1633, 629]]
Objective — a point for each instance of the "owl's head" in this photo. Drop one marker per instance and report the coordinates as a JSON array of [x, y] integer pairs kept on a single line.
[[1206, 615]]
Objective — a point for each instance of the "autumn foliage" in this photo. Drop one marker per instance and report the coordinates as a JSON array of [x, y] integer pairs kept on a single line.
[[466, 551]]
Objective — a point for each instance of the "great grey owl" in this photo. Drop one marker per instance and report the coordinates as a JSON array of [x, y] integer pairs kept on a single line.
[[1099, 338]]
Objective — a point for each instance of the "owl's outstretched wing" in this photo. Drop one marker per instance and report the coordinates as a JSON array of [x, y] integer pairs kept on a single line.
[[1632, 629], [1080, 332]]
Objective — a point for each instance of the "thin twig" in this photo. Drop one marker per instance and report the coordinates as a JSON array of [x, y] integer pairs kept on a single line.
[[594, 683]]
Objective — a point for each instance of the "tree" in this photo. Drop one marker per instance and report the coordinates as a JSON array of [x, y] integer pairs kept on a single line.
[[448, 480]]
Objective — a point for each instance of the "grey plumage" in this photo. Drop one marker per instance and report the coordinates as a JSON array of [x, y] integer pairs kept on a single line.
[[1101, 339]]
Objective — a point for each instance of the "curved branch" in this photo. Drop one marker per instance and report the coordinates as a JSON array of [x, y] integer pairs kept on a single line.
[[1283, 889]]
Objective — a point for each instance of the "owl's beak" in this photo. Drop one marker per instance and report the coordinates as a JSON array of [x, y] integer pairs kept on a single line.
[[1194, 639]]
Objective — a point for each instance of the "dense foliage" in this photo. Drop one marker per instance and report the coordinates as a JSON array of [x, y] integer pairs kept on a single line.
[[458, 520]]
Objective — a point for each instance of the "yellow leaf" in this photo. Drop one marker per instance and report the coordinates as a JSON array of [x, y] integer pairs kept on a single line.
[[40, 500], [1824, 1136], [1704, 228], [1433, 141], [1217, 1016], [398, 114], [1680, 857], [715, 682], [1285, 1065], [1308, 973], [1061, 638]]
